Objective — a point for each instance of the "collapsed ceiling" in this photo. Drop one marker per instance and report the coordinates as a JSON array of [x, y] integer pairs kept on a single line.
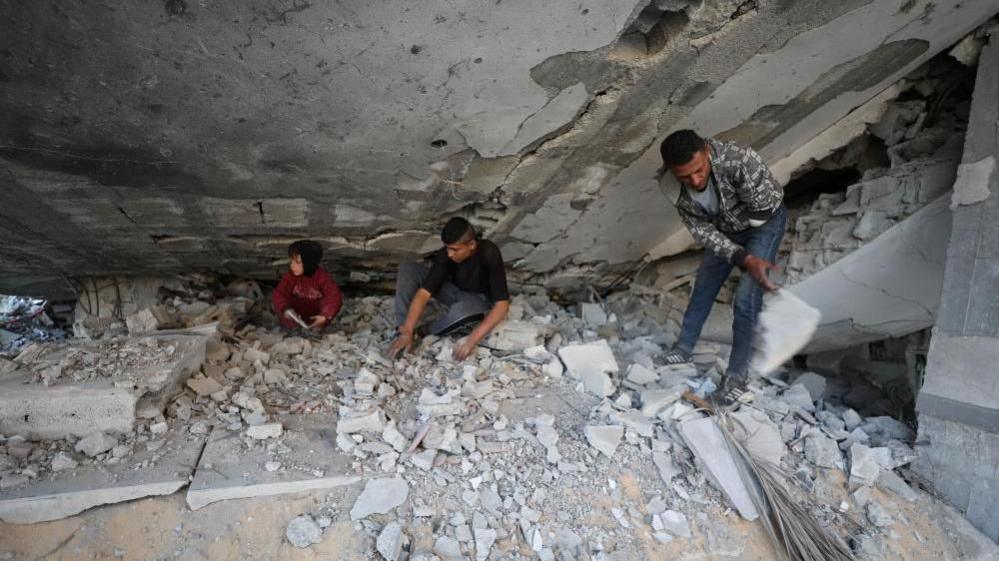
[[156, 138]]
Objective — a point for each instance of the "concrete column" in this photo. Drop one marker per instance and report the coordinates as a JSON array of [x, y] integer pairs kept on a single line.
[[959, 402]]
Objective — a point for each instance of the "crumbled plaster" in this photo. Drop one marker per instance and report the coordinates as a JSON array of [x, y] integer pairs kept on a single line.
[[972, 185]]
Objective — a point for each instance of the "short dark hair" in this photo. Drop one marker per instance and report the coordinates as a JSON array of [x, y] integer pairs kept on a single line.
[[680, 147], [457, 230], [311, 253]]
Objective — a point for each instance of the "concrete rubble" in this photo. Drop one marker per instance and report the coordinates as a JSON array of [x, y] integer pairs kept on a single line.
[[482, 444]]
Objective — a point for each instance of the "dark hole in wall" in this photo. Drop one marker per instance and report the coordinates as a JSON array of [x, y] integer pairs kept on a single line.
[[806, 188]]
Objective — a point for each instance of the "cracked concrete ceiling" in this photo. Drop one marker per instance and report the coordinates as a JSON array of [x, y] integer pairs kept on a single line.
[[161, 137]]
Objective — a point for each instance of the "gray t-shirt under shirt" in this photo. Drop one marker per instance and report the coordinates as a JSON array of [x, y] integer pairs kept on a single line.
[[708, 198]]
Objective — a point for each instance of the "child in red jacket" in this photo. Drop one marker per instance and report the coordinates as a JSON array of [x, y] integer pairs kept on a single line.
[[307, 288]]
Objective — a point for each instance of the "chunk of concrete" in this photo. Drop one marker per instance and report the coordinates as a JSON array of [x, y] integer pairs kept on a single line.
[[353, 421], [591, 363], [822, 451], [759, 435], [866, 464], [592, 314], [389, 543], [71, 492], [203, 385], [484, 540], [303, 531], [706, 441], [890, 481], [641, 375], [676, 523], [265, 431], [143, 321], [379, 497], [516, 336], [95, 444], [57, 412], [604, 438], [814, 383], [634, 420], [230, 470], [654, 401]]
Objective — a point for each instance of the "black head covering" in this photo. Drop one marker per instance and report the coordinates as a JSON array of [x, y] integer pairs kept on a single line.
[[311, 253]]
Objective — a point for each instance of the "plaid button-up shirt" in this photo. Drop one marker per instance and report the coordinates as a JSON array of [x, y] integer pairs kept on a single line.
[[748, 196]]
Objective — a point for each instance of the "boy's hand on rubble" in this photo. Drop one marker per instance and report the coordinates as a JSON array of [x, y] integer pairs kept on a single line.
[[318, 322], [404, 342], [464, 349], [758, 267]]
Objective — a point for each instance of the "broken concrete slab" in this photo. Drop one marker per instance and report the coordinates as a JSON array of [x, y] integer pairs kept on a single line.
[[759, 435], [866, 464], [706, 441], [379, 497], [229, 470], [389, 542], [604, 438], [516, 336], [591, 363], [303, 531], [132, 374], [641, 375], [163, 472], [95, 444], [822, 451]]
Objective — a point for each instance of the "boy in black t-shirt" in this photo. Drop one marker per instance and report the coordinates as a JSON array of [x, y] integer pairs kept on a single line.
[[466, 275]]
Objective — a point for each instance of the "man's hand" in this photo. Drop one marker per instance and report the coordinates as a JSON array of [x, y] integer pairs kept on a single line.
[[464, 349], [758, 267], [318, 322], [404, 342]]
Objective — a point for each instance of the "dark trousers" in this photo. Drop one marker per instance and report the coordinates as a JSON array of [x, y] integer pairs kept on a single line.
[[461, 305], [762, 241]]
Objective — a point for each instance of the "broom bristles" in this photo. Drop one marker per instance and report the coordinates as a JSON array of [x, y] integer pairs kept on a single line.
[[796, 534]]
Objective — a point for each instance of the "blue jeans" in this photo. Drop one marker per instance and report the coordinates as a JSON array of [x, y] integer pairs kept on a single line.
[[761, 242], [461, 305]]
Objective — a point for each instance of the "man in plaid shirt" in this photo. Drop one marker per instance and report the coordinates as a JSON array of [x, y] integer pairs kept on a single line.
[[733, 206]]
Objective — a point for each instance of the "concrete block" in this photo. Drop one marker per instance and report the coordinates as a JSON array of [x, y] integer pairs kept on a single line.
[[516, 336], [604, 438], [706, 441], [236, 472], [379, 497], [72, 492], [591, 363], [40, 412]]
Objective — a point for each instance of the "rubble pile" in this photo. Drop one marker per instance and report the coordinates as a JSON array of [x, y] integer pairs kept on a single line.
[[24, 320], [563, 449], [922, 135]]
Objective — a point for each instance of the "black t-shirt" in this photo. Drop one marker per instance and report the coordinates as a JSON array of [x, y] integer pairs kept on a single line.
[[482, 272]]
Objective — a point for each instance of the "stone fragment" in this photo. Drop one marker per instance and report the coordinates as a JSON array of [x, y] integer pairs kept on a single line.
[[814, 383], [354, 421], [890, 481], [159, 428], [759, 435], [885, 428], [591, 363], [217, 352], [484, 540], [95, 444], [866, 463], [878, 516], [641, 375], [434, 405], [264, 431], [798, 396], [303, 531], [254, 355], [676, 523], [288, 346], [366, 382], [604, 438], [635, 421], [851, 419], [448, 548], [822, 451], [656, 506], [706, 441], [143, 321], [393, 437], [274, 377], [516, 336], [654, 401], [63, 461], [389, 543], [664, 463], [202, 385], [379, 497], [424, 459], [592, 314]]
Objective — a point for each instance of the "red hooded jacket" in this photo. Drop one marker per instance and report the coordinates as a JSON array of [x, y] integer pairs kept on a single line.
[[308, 296]]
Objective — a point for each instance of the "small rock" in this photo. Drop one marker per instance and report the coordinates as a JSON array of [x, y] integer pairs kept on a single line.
[[641, 375], [822, 451], [484, 540], [878, 516], [266, 430], [254, 355], [379, 497], [604, 438], [676, 523], [94, 444], [851, 419], [814, 383], [866, 463], [303, 532], [63, 461], [389, 543], [203, 385], [159, 428]]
